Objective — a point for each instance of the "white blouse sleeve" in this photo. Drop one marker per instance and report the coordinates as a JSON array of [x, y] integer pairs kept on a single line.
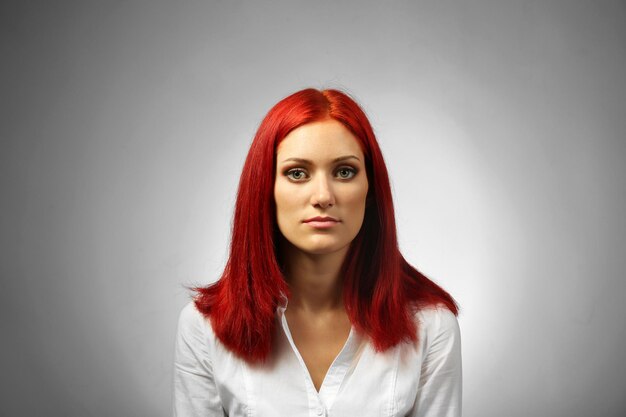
[[195, 393], [440, 386]]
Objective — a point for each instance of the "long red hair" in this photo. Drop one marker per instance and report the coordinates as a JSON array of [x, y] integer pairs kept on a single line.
[[381, 289]]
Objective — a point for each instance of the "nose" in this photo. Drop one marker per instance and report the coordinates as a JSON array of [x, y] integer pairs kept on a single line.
[[322, 194]]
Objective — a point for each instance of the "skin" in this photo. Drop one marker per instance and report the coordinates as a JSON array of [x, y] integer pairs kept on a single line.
[[320, 171]]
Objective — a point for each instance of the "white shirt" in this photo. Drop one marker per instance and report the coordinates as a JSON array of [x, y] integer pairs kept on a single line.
[[411, 379]]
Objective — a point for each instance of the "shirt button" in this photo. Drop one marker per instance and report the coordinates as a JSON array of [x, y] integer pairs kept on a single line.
[[320, 411]]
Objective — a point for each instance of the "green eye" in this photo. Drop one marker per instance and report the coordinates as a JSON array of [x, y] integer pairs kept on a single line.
[[295, 174], [346, 173]]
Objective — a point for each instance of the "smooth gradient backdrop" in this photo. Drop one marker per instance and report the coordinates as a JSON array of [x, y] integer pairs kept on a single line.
[[125, 124]]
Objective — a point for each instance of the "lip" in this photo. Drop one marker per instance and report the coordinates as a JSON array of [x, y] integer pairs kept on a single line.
[[321, 219], [320, 222]]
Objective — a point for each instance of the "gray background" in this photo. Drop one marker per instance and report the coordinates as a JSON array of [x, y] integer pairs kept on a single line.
[[125, 126]]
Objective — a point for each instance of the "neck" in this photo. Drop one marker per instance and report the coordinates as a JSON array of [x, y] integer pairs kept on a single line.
[[314, 280]]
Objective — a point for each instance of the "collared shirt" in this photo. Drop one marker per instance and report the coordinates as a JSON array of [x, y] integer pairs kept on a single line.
[[411, 379]]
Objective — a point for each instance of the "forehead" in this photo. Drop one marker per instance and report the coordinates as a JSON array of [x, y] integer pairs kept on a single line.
[[319, 140]]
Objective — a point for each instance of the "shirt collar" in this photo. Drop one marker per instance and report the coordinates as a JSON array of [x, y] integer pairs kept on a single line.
[[282, 303]]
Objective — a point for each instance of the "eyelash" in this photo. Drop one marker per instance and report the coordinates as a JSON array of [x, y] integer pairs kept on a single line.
[[290, 172]]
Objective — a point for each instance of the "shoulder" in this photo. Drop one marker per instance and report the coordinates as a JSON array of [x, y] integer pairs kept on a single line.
[[189, 315], [192, 324], [437, 324], [438, 315]]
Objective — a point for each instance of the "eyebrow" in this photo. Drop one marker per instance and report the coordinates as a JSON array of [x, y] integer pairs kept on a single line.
[[306, 161]]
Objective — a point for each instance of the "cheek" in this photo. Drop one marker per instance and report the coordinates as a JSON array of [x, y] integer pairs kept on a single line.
[[355, 208], [285, 200], [358, 197]]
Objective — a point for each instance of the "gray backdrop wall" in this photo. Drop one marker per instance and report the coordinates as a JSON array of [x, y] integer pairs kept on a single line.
[[124, 129]]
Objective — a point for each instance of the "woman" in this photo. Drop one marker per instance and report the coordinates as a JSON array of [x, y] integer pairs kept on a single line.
[[317, 313]]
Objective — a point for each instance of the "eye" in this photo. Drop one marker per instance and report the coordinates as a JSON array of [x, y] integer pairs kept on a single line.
[[295, 174], [345, 173]]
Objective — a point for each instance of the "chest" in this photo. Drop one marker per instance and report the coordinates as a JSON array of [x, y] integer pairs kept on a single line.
[[357, 381], [319, 344]]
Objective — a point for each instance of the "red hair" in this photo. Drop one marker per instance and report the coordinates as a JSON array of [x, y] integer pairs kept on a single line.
[[381, 290]]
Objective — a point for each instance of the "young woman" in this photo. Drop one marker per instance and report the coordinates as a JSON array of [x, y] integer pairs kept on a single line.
[[317, 313]]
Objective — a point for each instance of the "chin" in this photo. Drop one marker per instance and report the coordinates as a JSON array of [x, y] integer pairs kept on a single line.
[[317, 245], [320, 251], [323, 248]]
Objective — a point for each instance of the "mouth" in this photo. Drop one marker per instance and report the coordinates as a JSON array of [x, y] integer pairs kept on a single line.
[[321, 222]]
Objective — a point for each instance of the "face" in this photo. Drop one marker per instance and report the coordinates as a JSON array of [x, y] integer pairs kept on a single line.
[[321, 187]]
